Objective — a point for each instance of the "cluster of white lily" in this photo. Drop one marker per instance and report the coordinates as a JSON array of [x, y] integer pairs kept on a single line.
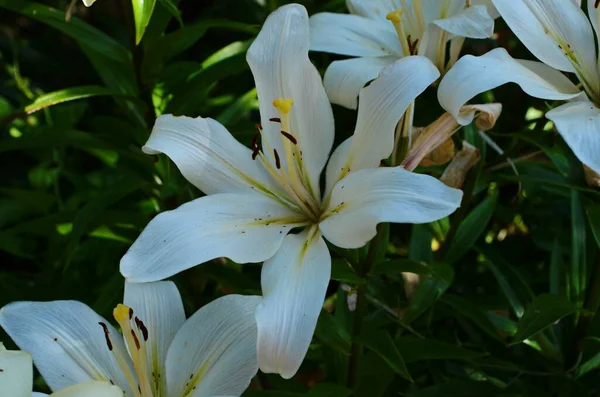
[[267, 204]]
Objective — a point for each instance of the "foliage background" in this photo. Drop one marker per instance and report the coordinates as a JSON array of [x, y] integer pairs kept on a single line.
[[76, 190]]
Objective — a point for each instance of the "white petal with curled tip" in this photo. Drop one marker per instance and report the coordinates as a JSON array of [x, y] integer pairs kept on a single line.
[[353, 35], [365, 198], [473, 22], [158, 305], [344, 79], [294, 284], [242, 227], [473, 75], [16, 373], [579, 124], [66, 341], [89, 389], [281, 68], [88, 3], [382, 104], [214, 353], [206, 154], [537, 22]]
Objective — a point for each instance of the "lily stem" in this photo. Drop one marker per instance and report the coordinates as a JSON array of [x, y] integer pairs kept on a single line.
[[362, 269]]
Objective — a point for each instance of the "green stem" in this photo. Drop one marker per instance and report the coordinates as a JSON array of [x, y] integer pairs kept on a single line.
[[362, 269]]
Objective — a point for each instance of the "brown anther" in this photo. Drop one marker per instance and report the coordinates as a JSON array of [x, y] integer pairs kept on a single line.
[[597, 3], [106, 335], [140, 325], [130, 313], [289, 136], [275, 119], [277, 161], [258, 127], [136, 340], [255, 154]]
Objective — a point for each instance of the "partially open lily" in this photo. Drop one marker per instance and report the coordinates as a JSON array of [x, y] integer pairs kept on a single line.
[[159, 354], [88, 3], [256, 197], [560, 35], [379, 32]]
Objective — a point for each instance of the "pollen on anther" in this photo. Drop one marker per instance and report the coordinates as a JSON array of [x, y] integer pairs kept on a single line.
[[275, 119], [277, 160], [106, 335], [140, 324], [289, 136]]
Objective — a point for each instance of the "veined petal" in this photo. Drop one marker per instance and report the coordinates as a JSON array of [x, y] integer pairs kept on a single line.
[[365, 198], [473, 22], [594, 14], [242, 227], [382, 104], [353, 35], [89, 389], [473, 75], [66, 341], [344, 79], [158, 305], [579, 124], [294, 283], [207, 155], [215, 350], [375, 9], [281, 68], [540, 24], [16, 377]]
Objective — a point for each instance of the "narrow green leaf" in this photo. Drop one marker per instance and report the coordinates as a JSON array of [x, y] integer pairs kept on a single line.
[[342, 271], [593, 216], [432, 287], [578, 270], [456, 389], [468, 309], [544, 311], [332, 333], [173, 10], [470, 229], [69, 94], [592, 363], [415, 349], [396, 266], [328, 390], [381, 343], [142, 12]]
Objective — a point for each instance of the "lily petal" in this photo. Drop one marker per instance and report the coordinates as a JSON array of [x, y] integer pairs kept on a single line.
[[215, 351], [365, 198], [594, 14], [89, 389], [207, 155], [66, 341], [375, 9], [88, 3], [344, 79], [242, 227], [382, 104], [473, 75], [542, 25], [158, 305], [579, 124], [281, 68], [353, 35], [473, 22], [16, 375], [294, 283]]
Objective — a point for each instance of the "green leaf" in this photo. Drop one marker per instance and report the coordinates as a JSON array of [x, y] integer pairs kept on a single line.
[[432, 287], [332, 333], [468, 309], [396, 266], [173, 10], [578, 268], [590, 364], [456, 389], [381, 343], [593, 215], [415, 349], [544, 311], [69, 94], [470, 229], [328, 390], [342, 271], [142, 12]]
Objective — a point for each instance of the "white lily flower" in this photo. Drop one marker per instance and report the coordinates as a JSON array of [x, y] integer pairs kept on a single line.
[[255, 198], [159, 354], [559, 34], [379, 32], [16, 379]]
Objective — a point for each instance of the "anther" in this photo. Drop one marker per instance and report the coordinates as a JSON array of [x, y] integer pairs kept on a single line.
[[136, 340], [283, 105], [140, 324], [289, 136], [277, 160], [278, 120], [106, 335], [597, 3]]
